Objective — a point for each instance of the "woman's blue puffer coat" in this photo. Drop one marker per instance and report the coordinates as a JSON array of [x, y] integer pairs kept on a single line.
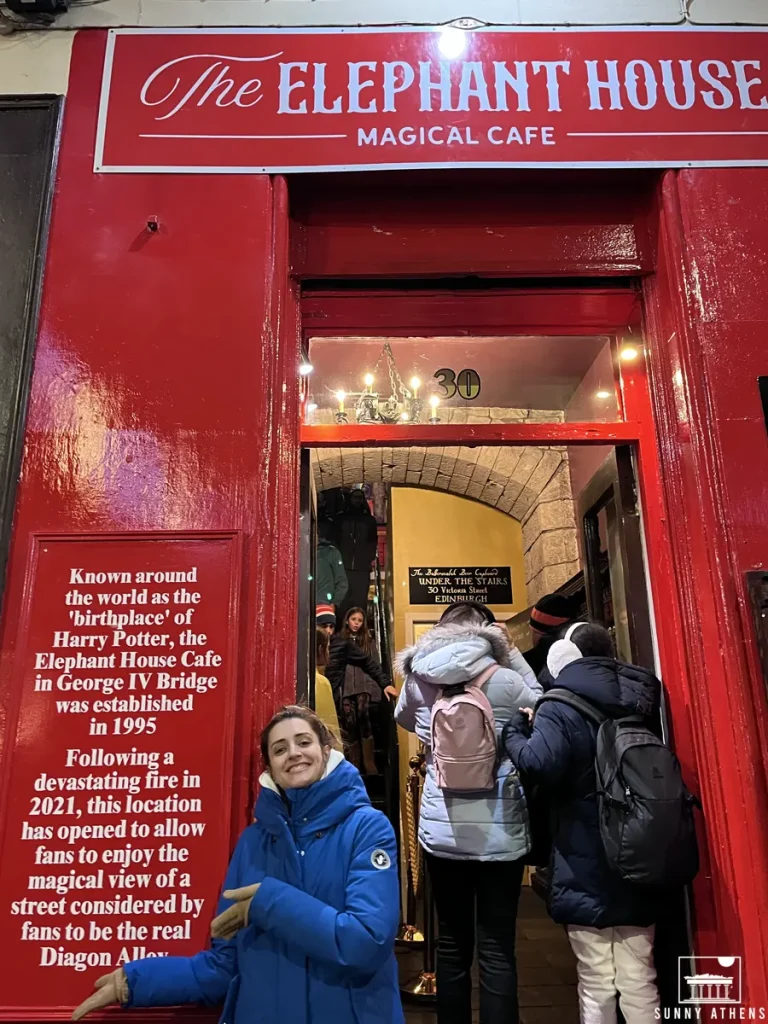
[[319, 947], [560, 757]]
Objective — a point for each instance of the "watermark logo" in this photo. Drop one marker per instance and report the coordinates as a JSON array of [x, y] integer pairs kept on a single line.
[[709, 980]]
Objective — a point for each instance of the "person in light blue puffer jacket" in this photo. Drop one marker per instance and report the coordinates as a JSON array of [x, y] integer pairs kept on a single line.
[[475, 843]]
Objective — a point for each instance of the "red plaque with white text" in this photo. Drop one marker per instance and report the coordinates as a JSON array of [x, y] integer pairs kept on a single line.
[[117, 809], [242, 101]]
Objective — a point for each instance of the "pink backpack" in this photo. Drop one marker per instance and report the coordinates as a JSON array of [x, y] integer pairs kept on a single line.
[[464, 745]]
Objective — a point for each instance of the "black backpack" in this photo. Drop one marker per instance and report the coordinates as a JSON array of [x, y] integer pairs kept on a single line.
[[646, 811]]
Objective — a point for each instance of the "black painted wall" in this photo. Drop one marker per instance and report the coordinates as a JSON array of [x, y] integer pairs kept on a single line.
[[28, 137]]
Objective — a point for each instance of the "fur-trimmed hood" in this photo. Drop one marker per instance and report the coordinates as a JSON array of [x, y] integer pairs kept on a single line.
[[452, 654]]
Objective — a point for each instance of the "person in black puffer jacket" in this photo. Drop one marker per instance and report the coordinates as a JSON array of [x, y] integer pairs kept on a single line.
[[610, 921]]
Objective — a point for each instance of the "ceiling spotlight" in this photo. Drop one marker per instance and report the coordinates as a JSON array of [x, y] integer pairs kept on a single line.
[[452, 42], [602, 393], [629, 354], [305, 369]]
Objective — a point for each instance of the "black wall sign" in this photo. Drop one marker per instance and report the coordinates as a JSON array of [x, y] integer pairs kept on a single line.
[[487, 584]]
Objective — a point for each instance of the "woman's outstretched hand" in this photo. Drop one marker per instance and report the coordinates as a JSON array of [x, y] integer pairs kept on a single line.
[[110, 989], [391, 693], [229, 923]]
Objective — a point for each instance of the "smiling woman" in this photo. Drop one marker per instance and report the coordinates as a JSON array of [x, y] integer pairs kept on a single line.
[[314, 832]]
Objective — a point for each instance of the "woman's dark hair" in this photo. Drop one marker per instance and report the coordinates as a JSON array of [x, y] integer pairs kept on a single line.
[[313, 720], [323, 643], [467, 613], [362, 637], [593, 640]]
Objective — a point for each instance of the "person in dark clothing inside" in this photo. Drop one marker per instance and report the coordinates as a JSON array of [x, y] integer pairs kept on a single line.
[[343, 652], [330, 578], [360, 699], [549, 617], [610, 921], [356, 538]]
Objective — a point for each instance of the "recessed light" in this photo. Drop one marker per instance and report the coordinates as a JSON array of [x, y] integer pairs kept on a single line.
[[305, 369], [602, 393], [629, 354]]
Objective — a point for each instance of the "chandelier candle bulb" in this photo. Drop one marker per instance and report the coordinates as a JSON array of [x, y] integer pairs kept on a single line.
[[415, 385], [340, 396]]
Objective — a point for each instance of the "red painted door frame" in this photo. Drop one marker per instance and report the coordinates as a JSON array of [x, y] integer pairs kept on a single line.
[[721, 698], [459, 223], [580, 310]]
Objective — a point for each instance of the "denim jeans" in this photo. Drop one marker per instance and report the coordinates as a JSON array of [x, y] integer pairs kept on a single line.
[[476, 902]]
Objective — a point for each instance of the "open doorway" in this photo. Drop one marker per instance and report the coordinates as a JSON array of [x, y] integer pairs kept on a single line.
[[499, 463], [436, 546]]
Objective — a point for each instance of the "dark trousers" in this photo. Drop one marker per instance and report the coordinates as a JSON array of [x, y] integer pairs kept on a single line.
[[476, 901], [357, 732], [359, 581]]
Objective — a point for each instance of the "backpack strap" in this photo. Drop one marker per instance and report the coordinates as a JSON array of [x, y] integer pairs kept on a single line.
[[584, 707], [478, 681], [484, 676]]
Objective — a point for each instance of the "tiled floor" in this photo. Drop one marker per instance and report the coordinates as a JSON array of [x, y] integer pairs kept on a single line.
[[546, 970]]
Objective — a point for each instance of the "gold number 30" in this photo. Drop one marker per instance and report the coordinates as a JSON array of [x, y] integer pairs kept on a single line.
[[466, 384]]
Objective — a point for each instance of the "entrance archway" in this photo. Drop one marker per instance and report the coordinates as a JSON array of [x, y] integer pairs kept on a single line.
[[530, 484]]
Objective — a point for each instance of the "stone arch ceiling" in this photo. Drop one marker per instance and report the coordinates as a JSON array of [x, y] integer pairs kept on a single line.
[[531, 484], [508, 479]]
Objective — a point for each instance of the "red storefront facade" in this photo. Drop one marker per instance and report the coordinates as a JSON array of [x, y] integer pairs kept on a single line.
[[166, 408]]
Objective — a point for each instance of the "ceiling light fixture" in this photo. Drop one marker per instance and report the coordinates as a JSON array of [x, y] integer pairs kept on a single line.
[[402, 406], [629, 354], [305, 369], [434, 402]]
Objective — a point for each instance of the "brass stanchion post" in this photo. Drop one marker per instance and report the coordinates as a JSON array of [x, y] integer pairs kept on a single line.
[[423, 988], [409, 932]]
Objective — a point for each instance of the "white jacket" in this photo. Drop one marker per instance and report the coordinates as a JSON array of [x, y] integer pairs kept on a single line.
[[459, 826]]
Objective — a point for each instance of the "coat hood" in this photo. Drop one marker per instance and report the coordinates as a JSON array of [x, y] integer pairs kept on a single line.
[[617, 689], [314, 808], [452, 654]]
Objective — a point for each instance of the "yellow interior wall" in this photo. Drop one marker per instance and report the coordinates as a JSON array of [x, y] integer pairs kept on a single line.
[[436, 528], [439, 529]]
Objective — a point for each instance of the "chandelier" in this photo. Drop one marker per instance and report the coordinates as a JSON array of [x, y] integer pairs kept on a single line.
[[402, 405]]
